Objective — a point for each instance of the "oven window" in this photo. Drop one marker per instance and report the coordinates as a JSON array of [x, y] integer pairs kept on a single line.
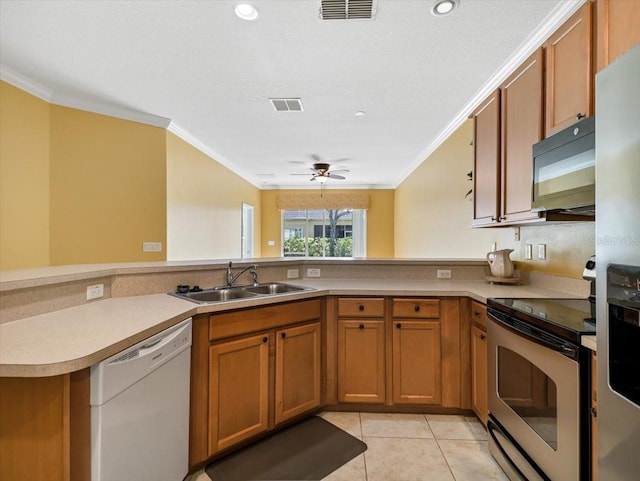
[[530, 393]]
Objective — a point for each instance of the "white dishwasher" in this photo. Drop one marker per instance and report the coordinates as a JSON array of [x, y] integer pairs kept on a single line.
[[140, 410]]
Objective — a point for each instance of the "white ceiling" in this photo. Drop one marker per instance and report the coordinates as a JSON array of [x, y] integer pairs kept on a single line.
[[208, 75]]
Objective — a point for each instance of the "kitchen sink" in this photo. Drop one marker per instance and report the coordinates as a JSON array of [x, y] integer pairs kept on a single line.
[[273, 288], [222, 294]]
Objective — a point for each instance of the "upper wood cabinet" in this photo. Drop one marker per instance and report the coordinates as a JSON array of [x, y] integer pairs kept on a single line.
[[569, 72], [486, 163], [506, 126], [521, 121], [618, 29]]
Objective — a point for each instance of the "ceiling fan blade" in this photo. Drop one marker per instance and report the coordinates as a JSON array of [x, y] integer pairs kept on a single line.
[[316, 157], [340, 171], [337, 161], [333, 176], [312, 178]]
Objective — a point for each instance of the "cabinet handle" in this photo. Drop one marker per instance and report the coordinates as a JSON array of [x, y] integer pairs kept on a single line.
[[361, 308], [503, 217], [476, 313], [483, 337], [493, 219], [265, 339], [416, 308], [361, 326], [399, 326], [283, 335], [579, 116]]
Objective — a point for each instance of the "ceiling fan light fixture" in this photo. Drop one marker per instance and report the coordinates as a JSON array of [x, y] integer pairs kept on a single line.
[[322, 179], [444, 7], [246, 11]]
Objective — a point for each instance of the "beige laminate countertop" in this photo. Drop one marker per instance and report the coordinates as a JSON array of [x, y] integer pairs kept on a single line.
[[75, 338]]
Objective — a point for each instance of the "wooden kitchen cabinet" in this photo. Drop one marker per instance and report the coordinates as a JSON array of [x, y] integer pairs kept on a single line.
[[252, 369], [416, 362], [521, 126], [415, 354], [361, 361], [45, 427], [486, 163], [506, 126], [618, 29], [479, 382], [569, 72], [297, 377], [238, 390]]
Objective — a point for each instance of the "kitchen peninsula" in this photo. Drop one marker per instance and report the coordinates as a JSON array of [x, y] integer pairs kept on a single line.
[[50, 335]]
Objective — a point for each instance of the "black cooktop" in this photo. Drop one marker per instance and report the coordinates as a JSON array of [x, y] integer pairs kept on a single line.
[[568, 318]]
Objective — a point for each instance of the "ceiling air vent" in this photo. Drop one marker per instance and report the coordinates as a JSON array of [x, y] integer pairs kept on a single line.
[[347, 9], [287, 105]]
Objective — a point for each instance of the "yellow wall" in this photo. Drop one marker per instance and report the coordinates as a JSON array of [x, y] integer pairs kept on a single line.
[[204, 205], [108, 192], [432, 216], [24, 179], [433, 219], [380, 226]]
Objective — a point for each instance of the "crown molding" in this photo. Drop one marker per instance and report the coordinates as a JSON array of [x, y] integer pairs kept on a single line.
[[24, 83], [554, 20], [205, 149]]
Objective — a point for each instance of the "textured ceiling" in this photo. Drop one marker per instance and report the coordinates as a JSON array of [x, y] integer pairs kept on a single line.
[[197, 65]]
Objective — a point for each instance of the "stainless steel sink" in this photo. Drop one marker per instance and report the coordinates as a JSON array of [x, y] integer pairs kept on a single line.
[[217, 295], [273, 288], [222, 294]]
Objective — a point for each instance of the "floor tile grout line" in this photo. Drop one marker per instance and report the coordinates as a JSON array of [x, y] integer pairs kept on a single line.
[[364, 454]]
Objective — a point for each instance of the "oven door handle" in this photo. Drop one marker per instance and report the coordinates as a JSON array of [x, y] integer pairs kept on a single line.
[[534, 334]]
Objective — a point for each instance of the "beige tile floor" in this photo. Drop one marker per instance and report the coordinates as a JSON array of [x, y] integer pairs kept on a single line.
[[413, 447]]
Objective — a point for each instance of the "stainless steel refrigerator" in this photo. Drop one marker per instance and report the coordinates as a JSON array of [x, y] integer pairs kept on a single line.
[[618, 242]]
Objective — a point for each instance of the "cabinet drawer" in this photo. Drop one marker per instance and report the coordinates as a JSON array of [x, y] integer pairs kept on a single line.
[[245, 321], [359, 307], [479, 314], [416, 308]]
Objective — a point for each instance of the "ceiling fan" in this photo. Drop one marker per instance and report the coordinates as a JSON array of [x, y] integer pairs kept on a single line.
[[321, 173]]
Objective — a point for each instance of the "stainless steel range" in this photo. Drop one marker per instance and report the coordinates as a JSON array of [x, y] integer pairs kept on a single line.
[[539, 387]]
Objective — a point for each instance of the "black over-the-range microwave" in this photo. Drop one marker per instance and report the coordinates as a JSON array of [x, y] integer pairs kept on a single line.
[[564, 170]]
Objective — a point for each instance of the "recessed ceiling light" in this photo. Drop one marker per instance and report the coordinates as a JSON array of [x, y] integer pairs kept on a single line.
[[360, 113], [246, 11], [443, 7]]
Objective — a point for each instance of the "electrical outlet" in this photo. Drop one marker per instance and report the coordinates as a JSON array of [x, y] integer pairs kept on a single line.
[[528, 251], [542, 251], [443, 274], [494, 246], [271, 243], [94, 292], [293, 273], [152, 247], [516, 233], [313, 272]]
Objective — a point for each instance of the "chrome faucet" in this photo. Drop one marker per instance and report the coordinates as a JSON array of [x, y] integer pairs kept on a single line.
[[231, 279]]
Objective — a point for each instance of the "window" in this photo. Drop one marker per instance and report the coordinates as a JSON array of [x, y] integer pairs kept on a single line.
[[324, 233]]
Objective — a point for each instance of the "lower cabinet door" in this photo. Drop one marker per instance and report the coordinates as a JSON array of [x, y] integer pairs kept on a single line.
[[479, 381], [297, 377], [361, 361], [416, 362], [239, 390]]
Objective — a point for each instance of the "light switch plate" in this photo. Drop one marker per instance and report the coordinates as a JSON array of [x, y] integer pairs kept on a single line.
[[293, 273], [443, 274], [528, 251], [152, 247]]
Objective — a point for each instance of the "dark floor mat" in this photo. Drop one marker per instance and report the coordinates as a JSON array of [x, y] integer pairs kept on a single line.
[[311, 449]]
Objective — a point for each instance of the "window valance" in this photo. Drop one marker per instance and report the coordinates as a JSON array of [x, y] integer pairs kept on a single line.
[[328, 200]]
